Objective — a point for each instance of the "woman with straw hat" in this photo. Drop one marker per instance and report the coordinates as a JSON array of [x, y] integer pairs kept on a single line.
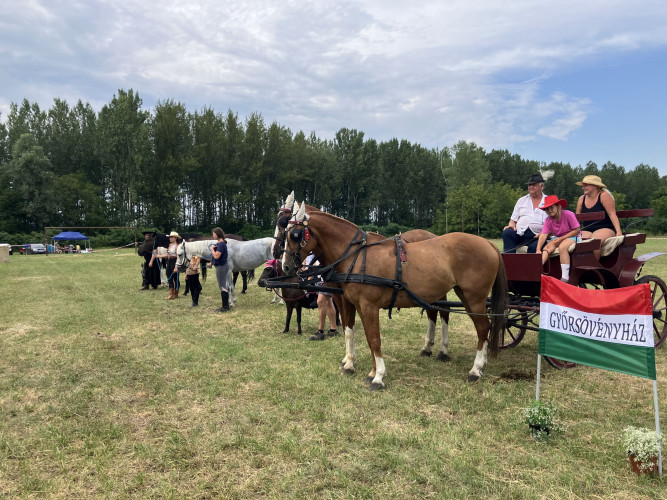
[[597, 198], [170, 268]]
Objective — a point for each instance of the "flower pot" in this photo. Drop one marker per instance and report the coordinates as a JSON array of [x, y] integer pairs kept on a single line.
[[637, 466]]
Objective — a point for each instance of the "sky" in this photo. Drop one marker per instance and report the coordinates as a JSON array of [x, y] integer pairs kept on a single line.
[[553, 81]]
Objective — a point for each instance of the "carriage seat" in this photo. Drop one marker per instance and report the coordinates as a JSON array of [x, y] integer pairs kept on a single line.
[[611, 244]]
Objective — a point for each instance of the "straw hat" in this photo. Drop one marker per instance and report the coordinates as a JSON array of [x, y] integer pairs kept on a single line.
[[552, 199], [174, 234], [593, 180]]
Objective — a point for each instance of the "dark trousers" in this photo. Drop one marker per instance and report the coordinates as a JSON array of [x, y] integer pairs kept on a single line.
[[151, 275], [513, 240], [193, 283], [172, 275]]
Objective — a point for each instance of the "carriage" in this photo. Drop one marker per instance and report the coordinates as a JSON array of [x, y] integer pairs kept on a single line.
[[617, 267], [354, 259]]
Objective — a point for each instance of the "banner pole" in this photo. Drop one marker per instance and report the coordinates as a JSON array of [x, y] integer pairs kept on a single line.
[[539, 372], [657, 425]]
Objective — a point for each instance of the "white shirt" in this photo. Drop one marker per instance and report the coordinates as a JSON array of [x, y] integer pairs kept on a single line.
[[526, 216]]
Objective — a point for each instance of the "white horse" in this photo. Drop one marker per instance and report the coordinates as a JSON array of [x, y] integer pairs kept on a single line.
[[241, 256]]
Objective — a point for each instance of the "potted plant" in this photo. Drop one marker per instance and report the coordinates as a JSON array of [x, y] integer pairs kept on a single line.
[[541, 419], [642, 447]]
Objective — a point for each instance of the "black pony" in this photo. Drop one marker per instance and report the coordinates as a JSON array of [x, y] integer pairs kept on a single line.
[[293, 297]]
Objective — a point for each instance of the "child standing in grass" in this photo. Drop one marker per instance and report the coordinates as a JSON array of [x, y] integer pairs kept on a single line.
[[192, 279], [561, 227]]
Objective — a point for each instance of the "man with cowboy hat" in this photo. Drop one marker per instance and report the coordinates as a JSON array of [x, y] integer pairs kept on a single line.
[[527, 219], [150, 275]]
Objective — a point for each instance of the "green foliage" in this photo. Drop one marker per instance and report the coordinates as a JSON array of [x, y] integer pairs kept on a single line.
[[642, 443], [541, 419], [173, 169]]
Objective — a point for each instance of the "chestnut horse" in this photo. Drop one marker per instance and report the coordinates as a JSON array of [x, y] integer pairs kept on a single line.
[[347, 310], [419, 274]]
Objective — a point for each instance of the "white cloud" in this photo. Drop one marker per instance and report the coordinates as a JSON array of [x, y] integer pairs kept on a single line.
[[432, 72]]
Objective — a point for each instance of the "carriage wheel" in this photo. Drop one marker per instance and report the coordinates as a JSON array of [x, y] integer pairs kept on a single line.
[[514, 329], [559, 364], [659, 300]]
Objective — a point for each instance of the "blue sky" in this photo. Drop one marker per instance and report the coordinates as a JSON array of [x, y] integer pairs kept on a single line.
[[564, 80]]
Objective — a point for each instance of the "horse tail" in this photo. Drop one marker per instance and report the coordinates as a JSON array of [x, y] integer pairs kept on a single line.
[[251, 275], [499, 301]]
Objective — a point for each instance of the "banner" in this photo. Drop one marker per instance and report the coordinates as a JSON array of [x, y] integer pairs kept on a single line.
[[608, 329]]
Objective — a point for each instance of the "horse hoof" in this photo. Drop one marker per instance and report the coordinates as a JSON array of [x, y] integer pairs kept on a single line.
[[424, 353], [376, 387], [443, 357], [368, 380], [346, 371], [473, 378]]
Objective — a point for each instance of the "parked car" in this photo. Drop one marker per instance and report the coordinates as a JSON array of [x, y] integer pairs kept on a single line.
[[36, 248]]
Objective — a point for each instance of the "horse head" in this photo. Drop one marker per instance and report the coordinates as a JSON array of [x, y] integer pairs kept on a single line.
[[271, 270], [182, 260], [299, 241]]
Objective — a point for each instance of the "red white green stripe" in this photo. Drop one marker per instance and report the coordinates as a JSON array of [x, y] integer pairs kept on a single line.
[[609, 329]]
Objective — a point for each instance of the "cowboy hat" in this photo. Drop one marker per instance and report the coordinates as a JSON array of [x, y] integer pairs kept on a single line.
[[535, 178], [593, 180], [174, 234], [147, 232], [552, 199]]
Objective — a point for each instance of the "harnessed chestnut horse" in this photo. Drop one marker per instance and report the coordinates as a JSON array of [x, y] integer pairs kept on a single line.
[[394, 273], [347, 311]]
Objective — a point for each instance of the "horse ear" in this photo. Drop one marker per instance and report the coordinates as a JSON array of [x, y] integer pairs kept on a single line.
[[289, 202], [301, 214]]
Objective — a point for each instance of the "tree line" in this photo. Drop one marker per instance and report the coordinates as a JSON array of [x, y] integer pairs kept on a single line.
[[169, 168]]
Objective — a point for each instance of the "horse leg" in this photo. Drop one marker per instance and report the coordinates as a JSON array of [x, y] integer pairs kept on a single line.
[[275, 297], [347, 313], [230, 289], [370, 318], [477, 311], [430, 333], [244, 276], [443, 355], [298, 319], [288, 318]]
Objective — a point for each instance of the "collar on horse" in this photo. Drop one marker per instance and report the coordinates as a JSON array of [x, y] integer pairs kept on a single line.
[[359, 245]]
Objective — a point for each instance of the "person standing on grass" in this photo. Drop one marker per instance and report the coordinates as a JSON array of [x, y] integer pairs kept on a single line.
[[219, 252], [325, 308], [170, 268], [192, 280]]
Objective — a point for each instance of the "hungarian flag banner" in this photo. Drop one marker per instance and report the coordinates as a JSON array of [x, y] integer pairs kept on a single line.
[[608, 329]]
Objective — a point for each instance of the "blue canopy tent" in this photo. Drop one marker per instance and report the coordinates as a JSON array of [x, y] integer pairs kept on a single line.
[[71, 236]]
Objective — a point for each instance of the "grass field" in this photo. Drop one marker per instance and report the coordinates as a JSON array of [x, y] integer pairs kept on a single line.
[[111, 392]]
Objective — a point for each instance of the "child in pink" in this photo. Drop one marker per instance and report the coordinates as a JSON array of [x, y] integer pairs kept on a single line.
[[564, 227]]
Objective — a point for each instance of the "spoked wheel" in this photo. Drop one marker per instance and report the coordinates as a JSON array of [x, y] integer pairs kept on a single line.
[[514, 329], [659, 300], [559, 364]]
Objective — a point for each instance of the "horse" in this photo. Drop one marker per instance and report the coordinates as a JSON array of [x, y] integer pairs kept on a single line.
[[158, 241], [347, 310], [241, 256], [395, 273], [293, 297]]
